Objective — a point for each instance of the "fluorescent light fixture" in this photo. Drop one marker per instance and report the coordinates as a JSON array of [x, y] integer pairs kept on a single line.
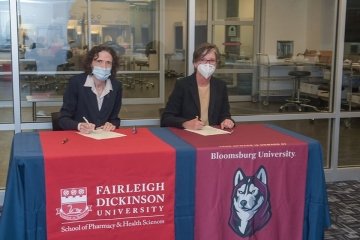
[[139, 1]]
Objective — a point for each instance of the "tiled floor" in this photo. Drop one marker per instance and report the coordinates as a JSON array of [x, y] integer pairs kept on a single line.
[[344, 200]]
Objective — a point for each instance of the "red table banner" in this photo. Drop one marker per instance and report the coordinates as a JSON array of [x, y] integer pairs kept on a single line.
[[120, 188], [250, 184]]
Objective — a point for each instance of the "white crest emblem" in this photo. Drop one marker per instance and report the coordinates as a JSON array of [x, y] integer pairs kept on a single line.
[[73, 203]]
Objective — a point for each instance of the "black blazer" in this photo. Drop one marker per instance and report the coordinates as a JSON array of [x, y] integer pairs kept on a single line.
[[184, 103], [80, 101]]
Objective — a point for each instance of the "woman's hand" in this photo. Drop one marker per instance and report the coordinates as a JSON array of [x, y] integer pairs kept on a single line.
[[227, 123], [86, 127], [194, 124], [107, 127]]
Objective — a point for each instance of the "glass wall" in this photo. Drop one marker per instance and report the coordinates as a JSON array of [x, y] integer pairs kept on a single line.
[[175, 35], [5, 148], [351, 63], [151, 45], [6, 90], [55, 36], [233, 30], [6, 93], [349, 150], [294, 60]]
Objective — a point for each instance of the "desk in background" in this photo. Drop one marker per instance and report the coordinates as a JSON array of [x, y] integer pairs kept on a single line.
[[34, 99], [24, 213], [273, 78]]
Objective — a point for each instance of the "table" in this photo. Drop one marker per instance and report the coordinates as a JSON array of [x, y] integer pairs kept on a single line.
[[273, 78], [34, 99], [24, 213]]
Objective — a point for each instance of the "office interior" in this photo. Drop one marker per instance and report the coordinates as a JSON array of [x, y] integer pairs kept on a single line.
[[43, 43]]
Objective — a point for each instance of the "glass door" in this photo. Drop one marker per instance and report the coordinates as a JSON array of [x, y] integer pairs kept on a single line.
[[233, 30]]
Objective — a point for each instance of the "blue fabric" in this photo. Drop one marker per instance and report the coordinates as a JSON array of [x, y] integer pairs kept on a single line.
[[24, 215], [316, 212], [184, 184]]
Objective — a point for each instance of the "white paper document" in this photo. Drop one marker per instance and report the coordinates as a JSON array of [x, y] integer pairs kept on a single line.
[[208, 131], [100, 134]]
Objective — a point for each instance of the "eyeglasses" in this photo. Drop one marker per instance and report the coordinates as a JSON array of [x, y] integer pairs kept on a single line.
[[210, 61]]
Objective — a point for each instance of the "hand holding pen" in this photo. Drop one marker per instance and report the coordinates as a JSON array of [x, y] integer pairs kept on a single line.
[[194, 124], [86, 127]]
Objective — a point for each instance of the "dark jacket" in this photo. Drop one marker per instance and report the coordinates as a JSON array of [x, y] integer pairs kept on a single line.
[[80, 101], [184, 103]]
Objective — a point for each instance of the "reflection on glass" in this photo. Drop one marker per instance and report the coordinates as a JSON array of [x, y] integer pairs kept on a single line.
[[5, 148], [53, 42], [351, 86], [6, 97], [175, 14], [130, 29], [235, 42], [242, 10], [351, 65], [140, 85], [237, 83], [54, 38], [41, 95], [236, 46], [349, 151], [57, 42], [56, 35]]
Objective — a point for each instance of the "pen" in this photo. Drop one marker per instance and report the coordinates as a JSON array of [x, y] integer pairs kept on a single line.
[[134, 130], [86, 120], [88, 124]]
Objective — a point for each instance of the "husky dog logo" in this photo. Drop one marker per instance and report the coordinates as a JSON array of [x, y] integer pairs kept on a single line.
[[73, 203], [250, 203]]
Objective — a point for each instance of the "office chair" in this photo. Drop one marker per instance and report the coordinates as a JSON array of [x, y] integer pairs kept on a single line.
[[296, 101], [161, 111]]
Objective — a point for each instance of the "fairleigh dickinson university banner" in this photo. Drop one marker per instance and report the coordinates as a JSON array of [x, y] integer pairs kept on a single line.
[[121, 188]]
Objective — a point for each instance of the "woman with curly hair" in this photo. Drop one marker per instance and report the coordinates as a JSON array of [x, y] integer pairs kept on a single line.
[[93, 99]]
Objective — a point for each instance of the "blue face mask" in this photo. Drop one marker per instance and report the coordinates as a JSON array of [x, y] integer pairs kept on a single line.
[[100, 73]]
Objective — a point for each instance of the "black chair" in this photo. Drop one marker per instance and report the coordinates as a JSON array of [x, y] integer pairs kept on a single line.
[[161, 111], [55, 121], [296, 101]]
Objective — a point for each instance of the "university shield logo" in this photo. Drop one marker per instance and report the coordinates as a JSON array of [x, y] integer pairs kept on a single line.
[[73, 203], [250, 203]]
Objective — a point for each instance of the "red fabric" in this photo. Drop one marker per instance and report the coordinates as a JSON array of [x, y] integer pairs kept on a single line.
[[125, 184], [220, 157]]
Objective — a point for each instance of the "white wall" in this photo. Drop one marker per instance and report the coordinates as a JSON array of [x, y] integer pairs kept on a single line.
[[309, 23], [321, 24]]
